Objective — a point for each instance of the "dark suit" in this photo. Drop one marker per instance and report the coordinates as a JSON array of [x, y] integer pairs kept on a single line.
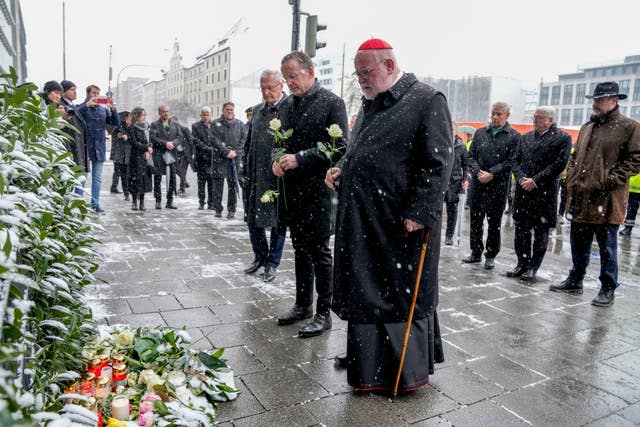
[[159, 136]]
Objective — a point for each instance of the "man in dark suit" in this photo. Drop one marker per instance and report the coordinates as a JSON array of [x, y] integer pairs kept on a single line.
[[165, 136]]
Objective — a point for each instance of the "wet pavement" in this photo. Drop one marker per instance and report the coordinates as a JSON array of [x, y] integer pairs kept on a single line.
[[516, 353]]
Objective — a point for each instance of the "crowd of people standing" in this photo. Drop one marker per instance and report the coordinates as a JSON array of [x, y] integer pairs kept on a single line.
[[393, 172]]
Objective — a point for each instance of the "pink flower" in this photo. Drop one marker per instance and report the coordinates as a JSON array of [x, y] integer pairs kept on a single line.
[[151, 397], [146, 406], [145, 420]]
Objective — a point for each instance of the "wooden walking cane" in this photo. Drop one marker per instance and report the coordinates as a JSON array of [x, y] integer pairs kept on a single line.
[[414, 298]]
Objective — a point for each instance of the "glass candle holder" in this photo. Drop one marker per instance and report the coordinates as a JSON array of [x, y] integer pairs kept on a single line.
[[120, 407]]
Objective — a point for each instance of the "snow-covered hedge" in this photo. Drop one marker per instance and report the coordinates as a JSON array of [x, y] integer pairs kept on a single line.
[[46, 256]]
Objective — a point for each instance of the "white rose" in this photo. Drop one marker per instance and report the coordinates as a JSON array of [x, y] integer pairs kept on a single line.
[[265, 198], [176, 378], [334, 131], [124, 338], [149, 378], [275, 125]]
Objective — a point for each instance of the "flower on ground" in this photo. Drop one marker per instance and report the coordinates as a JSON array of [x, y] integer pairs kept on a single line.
[[124, 338], [149, 378]]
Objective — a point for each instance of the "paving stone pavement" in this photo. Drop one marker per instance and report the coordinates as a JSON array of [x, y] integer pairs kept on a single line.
[[516, 353]]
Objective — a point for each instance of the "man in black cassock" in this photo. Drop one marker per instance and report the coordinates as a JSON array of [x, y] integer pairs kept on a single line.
[[391, 183]]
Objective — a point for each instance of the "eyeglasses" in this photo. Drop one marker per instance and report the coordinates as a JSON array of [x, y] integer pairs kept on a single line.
[[538, 117], [364, 74], [270, 88]]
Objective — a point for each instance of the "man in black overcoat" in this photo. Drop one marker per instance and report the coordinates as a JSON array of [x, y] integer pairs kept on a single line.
[[391, 184], [203, 139], [166, 136], [304, 200], [256, 178], [491, 156], [542, 155]]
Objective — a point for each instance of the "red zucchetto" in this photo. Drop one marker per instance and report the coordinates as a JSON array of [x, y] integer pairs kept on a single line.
[[374, 44]]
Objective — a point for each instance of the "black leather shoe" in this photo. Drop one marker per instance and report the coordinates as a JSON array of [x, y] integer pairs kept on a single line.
[[570, 285], [604, 298], [231, 215], [528, 275], [489, 264], [517, 271], [142, 208], [340, 361], [158, 204], [134, 205], [319, 324], [295, 314], [126, 197], [218, 215], [269, 274], [170, 205], [472, 259], [255, 266], [115, 191], [448, 241]]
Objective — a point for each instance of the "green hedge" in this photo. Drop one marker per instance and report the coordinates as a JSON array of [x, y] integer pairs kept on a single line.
[[46, 256]]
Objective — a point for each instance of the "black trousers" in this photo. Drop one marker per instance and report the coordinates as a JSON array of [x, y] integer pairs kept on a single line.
[[492, 210], [232, 184], [563, 196], [182, 165], [452, 218], [313, 260], [157, 183], [529, 255], [120, 173], [205, 189]]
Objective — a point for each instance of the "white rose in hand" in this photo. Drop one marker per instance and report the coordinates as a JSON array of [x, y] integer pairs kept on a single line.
[[334, 131], [275, 125]]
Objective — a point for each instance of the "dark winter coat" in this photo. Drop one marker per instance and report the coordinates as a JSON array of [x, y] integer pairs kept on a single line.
[[397, 166], [187, 149], [493, 154], [460, 171], [542, 158], [97, 118], [256, 173], [307, 206], [139, 172], [76, 145], [159, 136], [606, 155], [203, 139], [232, 134], [120, 147]]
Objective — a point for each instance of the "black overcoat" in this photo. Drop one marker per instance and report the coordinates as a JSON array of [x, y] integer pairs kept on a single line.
[[307, 206], [159, 136], [543, 158], [256, 167], [397, 166], [139, 173], [120, 147], [460, 170], [202, 139], [493, 154]]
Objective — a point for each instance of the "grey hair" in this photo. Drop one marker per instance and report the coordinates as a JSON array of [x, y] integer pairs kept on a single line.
[[302, 58], [205, 109], [502, 106], [161, 106], [549, 111], [268, 73]]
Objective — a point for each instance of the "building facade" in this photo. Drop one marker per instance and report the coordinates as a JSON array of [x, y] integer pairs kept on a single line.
[[13, 39], [130, 93], [567, 94]]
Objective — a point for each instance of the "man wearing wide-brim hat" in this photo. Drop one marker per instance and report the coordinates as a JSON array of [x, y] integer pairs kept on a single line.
[[606, 154]]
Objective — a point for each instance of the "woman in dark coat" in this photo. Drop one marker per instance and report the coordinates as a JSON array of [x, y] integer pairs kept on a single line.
[[140, 180], [121, 153]]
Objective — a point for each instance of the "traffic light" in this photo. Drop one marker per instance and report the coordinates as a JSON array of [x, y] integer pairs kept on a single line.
[[311, 36]]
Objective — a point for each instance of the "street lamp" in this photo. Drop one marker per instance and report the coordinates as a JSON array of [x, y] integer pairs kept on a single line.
[[130, 66]]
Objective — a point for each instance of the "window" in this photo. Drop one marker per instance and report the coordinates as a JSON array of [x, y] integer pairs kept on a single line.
[[207, 79], [218, 95], [624, 86], [623, 111], [224, 93], [225, 57], [544, 95], [578, 116], [567, 96], [592, 87], [565, 117], [218, 76], [218, 59], [555, 95], [636, 90], [581, 89], [225, 75]]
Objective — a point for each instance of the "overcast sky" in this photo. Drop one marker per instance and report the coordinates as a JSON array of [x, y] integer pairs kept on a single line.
[[448, 39]]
